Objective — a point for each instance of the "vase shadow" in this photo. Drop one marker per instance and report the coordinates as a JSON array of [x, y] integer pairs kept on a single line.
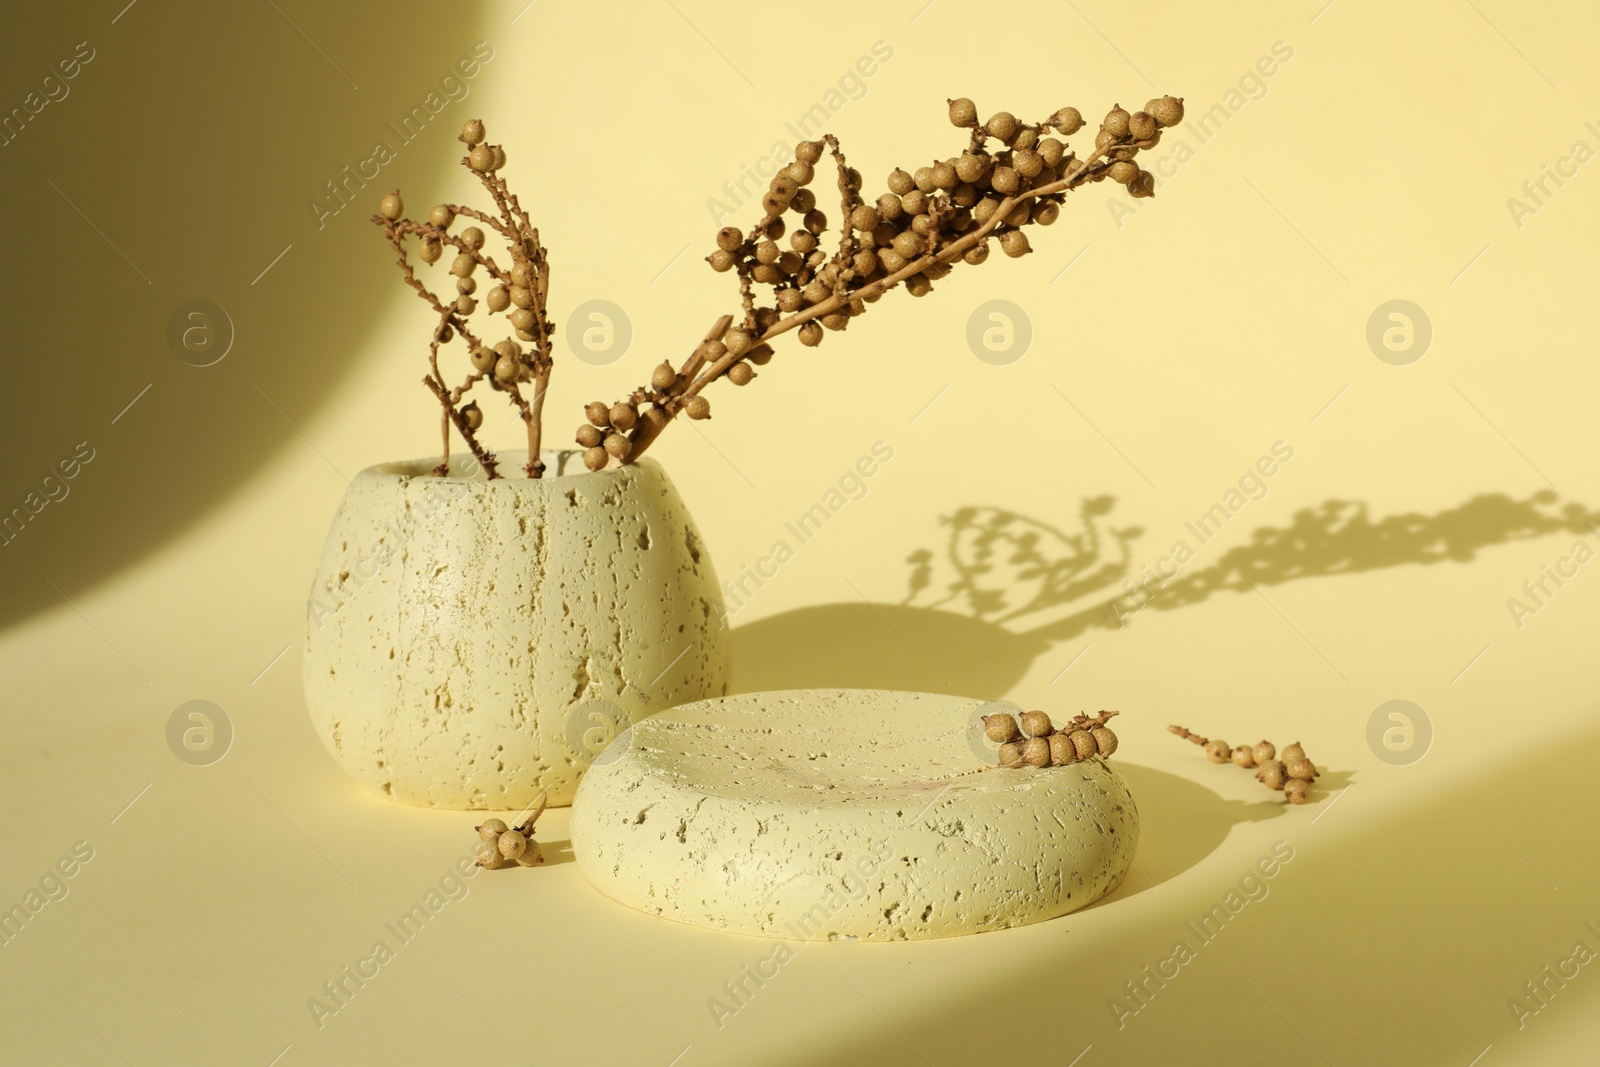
[[1005, 589]]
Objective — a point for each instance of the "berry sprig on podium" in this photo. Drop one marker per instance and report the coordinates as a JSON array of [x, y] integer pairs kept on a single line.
[[1037, 742]]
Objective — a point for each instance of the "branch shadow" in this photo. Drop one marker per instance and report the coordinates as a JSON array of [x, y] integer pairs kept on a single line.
[[1005, 588]]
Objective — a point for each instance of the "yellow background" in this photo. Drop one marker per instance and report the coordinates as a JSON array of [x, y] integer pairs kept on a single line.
[[1229, 313]]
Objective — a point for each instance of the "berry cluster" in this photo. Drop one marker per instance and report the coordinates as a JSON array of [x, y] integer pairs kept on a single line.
[[1289, 770], [929, 220], [1036, 742], [516, 291], [502, 846]]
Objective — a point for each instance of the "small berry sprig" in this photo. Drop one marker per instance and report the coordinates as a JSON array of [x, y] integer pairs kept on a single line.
[[929, 220], [1036, 742], [1289, 770], [518, 292], [503, 846]]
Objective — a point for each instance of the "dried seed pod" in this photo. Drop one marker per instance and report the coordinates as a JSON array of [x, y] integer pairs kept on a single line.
[[499, 298], [919, 285], [808, 151], [1014, 243], [491, 829], [1000, 728], [697, 407], [507, 369], [624, 416], [1244, 756], [511, 844], [481, 158], [737, 341], [1123, 172], [618, 445], [1293, 750], [1296, 791], [1301, 768], [721, 261], [1264, 751], [800, 172], [1144, 185], [1168, 110], [1067, 121], [1002, 126], [391, 206], [1027, 163], [463, 265], [963, 112], [663, 376], [472, 415], [588, 436], [1105, 741], [864, 218], [1218, 751], [1116, 123], [741, 374], [430, 249], [810, 334], [1083, 743], [530, 856], [1046, 211], [594, 458], [442, 216], [598, 413], [970, 167], [1036, 752], [1272, 774], [1011, 754], [760, 355], [1142, 126], [1062, 751], [1036, 724], [976, 254], [483, 359], [784, 188]]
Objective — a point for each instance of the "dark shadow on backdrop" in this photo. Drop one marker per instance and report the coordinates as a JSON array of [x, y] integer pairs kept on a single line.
[[189, 147], [1003, 589]]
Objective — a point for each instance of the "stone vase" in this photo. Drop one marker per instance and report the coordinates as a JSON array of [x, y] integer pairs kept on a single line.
[[474, 644]]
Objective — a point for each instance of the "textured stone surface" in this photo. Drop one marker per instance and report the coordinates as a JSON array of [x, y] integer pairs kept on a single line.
[[471, 644], [839, 814]]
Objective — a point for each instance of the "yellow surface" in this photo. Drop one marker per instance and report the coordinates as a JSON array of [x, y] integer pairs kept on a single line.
[[1169, 353]]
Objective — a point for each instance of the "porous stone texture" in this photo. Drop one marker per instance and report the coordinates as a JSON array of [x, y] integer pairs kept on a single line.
[[845, 814], [474, 643]]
